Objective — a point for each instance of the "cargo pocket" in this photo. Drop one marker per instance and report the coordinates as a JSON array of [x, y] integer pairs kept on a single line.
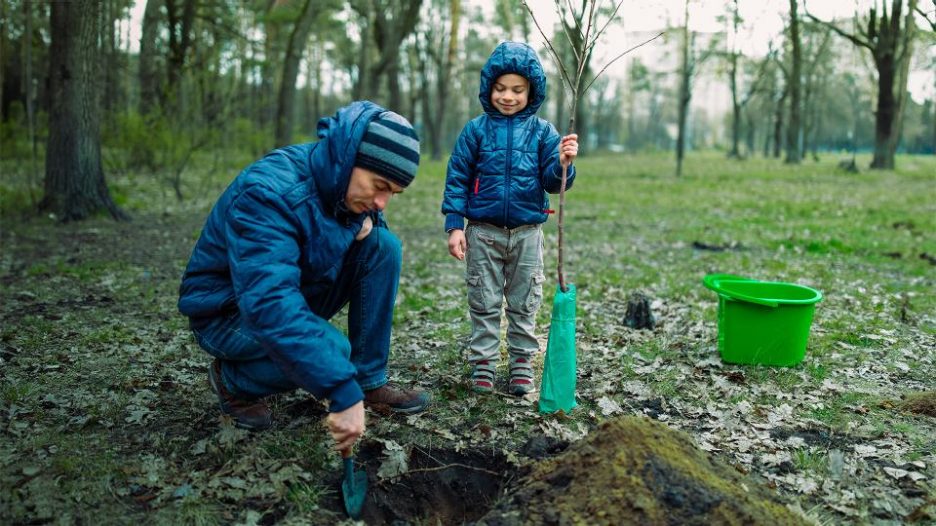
[[475, 293], [535, 295]]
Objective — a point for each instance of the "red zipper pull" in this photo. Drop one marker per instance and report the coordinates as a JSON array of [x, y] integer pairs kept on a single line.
[[477, 183]]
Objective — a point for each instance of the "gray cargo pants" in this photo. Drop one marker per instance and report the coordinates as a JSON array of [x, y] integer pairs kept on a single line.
[[504, 263]]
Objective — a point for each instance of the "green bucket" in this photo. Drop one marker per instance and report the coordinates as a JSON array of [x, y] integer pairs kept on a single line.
[[762, 322]]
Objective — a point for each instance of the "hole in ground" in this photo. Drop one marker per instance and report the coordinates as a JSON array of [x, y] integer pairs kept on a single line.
[[441, 486]]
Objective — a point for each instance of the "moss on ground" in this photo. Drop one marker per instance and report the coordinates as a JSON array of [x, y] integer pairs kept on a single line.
[[637, 471]]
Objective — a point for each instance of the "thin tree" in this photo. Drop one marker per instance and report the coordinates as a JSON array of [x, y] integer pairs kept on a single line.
[[588, 33], [74, 182], [30, 98], [686, 70], [889, 38], [794, 142]]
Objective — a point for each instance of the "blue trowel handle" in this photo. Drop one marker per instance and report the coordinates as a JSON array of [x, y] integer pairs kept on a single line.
[[347, 456]]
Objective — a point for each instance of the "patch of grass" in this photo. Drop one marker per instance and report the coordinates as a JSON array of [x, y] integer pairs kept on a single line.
[[306, 496], [809, 460]]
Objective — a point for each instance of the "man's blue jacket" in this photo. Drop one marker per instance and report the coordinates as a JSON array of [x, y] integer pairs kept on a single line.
[[276, 236], [502, 166]]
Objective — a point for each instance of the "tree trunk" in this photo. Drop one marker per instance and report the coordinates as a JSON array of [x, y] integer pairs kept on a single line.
[[778, 125], [30, 99], [74, 183], [444, 79], [794, 128], [735, 108], [180, 38], [148, 71], [287, 92], [884, 117], [685, 95]]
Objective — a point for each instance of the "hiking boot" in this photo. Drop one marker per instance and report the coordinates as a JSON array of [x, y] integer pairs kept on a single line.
[[482, 377], [521, 376], [254, 415], [398, 399]]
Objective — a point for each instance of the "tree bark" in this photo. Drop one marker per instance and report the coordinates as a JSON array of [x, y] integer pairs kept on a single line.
[[794, 128], [74, 182], [148, 71], [287, 92]]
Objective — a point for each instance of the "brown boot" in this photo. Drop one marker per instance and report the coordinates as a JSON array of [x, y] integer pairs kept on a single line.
[[398, 399], [254, 415]]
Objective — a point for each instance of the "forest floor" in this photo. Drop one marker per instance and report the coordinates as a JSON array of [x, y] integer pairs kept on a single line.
[[106, 415]]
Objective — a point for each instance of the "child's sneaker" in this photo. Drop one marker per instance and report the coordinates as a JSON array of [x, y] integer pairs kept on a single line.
[[521, 376], [482, 377]]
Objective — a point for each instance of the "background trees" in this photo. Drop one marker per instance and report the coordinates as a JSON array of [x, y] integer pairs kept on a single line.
[[175, 79]]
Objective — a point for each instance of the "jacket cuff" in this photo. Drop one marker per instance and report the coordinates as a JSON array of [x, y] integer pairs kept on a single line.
[[454, 222], [345, 396]]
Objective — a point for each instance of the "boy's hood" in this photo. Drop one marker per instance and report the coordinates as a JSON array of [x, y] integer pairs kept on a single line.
[[519, 58], [341, 135]]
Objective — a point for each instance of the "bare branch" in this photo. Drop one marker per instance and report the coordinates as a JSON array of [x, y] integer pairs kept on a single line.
[[565, 26], [854, 39], [549, 46], [615, 59]]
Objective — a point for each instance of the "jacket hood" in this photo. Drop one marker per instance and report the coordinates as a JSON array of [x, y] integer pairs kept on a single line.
[[341, 136], [513, 57]]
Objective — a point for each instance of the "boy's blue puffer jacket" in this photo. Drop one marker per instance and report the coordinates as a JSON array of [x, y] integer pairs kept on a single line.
[[277, 235], [502, 166]]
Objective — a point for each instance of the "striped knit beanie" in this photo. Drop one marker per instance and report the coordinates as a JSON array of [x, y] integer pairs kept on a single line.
[[390, 148]]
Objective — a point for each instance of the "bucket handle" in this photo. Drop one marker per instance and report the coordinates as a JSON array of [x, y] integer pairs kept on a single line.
[[711, 282]]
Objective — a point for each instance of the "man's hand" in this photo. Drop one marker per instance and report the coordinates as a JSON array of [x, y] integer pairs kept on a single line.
[[366, 228], [346, 426], [457, 244], [568, 149]]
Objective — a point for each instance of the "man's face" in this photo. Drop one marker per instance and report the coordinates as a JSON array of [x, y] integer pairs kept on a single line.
[[368, 191], [510, 94]]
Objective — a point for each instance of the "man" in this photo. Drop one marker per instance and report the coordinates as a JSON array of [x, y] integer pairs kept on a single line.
[[295, 237]]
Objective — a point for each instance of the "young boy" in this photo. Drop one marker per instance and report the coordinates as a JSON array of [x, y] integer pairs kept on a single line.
[[503, 164]]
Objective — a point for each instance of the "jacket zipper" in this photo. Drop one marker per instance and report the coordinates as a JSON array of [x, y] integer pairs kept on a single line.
[[477, 183], [507, 174]]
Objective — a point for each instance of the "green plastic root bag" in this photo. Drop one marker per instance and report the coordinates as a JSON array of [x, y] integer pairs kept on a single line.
[[558, 389]]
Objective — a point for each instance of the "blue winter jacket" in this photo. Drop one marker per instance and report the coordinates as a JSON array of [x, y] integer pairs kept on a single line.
[[277, 236], [502, 166]]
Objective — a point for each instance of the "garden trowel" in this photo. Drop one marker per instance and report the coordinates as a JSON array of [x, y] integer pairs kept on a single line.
[[354, 485]]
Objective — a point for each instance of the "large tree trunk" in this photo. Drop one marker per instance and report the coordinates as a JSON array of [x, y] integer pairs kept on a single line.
[[794, 128], [148, 70], [74, 183], [884, 117], [287, 92]]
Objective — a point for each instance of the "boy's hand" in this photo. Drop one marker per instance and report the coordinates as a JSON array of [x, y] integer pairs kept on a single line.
[[457, 244], [568, 149]]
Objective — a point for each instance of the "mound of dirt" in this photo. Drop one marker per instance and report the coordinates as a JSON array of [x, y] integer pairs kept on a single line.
[[636, 471], [920, 403]]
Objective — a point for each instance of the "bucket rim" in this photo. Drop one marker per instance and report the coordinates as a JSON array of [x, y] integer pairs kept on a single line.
[[714, 281]]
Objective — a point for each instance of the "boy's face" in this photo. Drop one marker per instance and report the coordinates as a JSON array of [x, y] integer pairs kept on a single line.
[[510, 94], [368, 191]]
